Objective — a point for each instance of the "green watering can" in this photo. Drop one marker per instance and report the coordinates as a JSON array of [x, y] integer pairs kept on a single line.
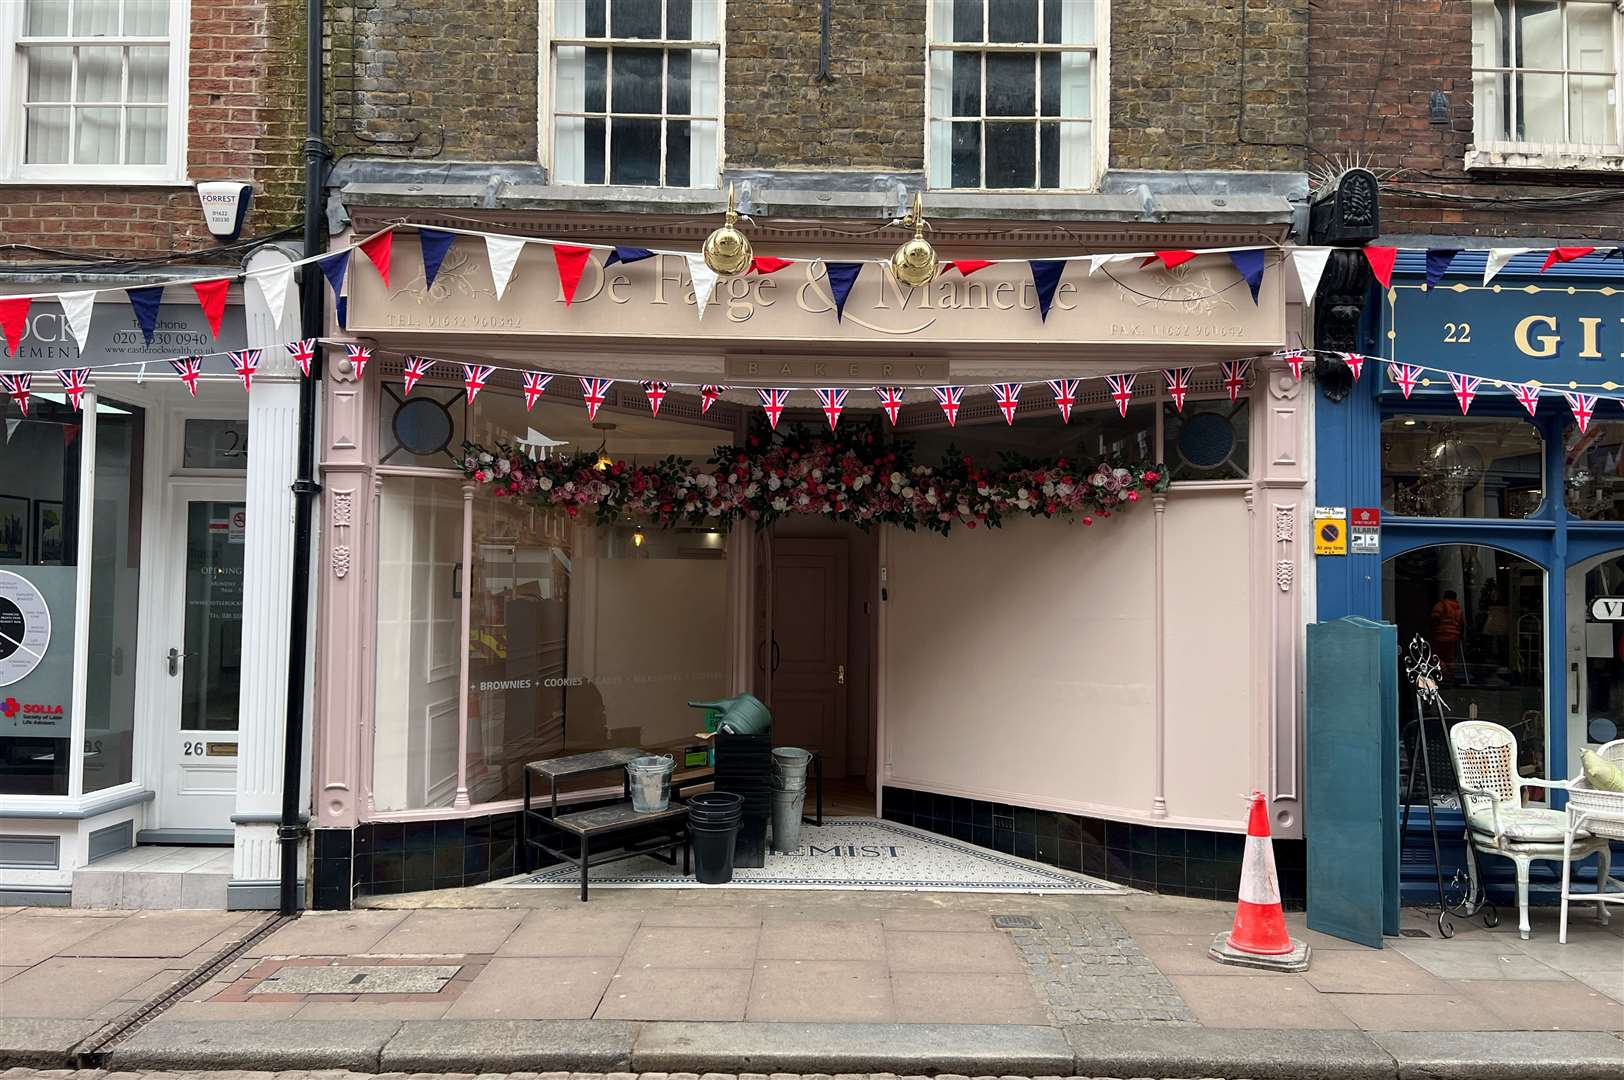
[[741, 715]]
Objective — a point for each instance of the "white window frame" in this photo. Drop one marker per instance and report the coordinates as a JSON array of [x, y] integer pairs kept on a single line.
[[547, 92], [13, 85], [1099, 93], [1509, 152]]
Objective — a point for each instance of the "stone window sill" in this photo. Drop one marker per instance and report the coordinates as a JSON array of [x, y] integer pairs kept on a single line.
[[1543, 157]]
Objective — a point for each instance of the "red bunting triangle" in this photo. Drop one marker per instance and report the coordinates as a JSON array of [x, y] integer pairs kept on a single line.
[[1169, 259], [1381, 262], [1562, 255], [377, 249], [13, 320], [571, 261], [212, 295], [970, 266], [767, 264]]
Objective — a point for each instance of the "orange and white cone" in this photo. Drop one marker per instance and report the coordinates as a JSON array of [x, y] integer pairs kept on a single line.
[[1259, 937]]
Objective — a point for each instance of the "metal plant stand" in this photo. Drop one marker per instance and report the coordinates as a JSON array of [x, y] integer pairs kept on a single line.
[[1422, 668]]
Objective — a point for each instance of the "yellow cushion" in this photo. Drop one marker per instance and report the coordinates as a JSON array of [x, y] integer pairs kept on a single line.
[[1600, 773]]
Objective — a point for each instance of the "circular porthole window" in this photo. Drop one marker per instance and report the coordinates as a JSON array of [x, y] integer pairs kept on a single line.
[[422, 426], [1206, 440]]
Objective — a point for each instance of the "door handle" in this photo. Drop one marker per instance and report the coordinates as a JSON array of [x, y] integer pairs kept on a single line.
[[778, 655], [1573, 702], [175, 657], [840, 674]]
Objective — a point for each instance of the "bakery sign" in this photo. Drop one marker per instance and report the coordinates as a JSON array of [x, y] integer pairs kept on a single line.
[[1202, 302]]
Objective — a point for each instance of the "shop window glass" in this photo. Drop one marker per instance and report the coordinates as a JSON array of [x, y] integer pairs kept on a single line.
[[1593, 471], [1461, 467], [1483, 612], [39, 555], [1094, 435], [1600, 704], [115, 583], [423, 428], [1207, 440], [414, 728]]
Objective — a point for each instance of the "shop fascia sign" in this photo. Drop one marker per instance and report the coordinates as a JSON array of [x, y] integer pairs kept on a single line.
[[115, 335], [1203, 302], [1553, 330]]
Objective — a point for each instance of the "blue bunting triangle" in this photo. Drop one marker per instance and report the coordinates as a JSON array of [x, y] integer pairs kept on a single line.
[[145, 301], [628, 255], [1438, 260], [333, 267], [1249, 264], [341, 308], [842, 276], [435, 244], [1045, 277]]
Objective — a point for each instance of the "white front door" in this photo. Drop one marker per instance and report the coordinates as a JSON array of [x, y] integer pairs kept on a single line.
[[201, 656]]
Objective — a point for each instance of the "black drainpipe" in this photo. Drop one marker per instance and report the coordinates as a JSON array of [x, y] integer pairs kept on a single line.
[[305, 488]]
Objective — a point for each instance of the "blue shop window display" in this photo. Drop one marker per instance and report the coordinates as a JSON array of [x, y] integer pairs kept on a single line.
[[1502, 532]]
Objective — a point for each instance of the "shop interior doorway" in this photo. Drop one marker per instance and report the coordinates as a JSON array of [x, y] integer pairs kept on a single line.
[[816, 614], [1595, 612]]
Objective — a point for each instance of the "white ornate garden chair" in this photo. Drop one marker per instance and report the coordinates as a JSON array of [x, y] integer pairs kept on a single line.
[[1496, 821], [1600, 813]]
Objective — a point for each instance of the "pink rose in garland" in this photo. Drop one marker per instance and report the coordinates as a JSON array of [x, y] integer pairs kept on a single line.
[[853, 474]]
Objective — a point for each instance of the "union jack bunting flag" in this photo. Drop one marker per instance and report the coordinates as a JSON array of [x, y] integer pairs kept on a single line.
[[1583, 406], [1009, 399], [949, 397], [593, 392], [474, 377], [416, 367], [359, 355], [1405, 376], [1065, 395], [834, 402], [1178, 385], [245, 363], [1295, 361], [708, 396], [303, 352], [1527, 396], [1465, 389], [1234, 373], [75, 381], [890, 401], [1121, 390], [534, 383], [772, 402], [190, 369], [18, 387], [656, 391], [1355, 362]]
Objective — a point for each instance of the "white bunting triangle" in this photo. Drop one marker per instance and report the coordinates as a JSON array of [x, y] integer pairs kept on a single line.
[[1498, 257], [274, 285], [704, 279], [1310, 266], [503, 253], [76, 308], [1097, 261]]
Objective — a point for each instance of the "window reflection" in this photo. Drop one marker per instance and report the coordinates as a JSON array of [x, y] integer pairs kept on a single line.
[[1483, 612], [1463, 467], [1593, 471]]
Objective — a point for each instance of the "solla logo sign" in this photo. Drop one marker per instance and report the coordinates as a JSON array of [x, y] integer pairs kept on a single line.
[[28, 713]]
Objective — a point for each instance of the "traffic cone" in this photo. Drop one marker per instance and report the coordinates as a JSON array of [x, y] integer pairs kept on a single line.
[[1259, 938]]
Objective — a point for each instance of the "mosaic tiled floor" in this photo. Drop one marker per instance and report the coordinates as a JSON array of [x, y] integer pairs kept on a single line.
[[849, 853]]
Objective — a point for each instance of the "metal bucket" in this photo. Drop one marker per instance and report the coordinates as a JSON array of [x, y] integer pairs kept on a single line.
[[650, 782], [787, 807], [789, 768]]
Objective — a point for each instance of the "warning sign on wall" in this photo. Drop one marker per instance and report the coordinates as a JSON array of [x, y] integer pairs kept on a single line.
[[1330, 535]]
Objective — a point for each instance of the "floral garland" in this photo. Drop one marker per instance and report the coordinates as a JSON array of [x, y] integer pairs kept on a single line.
[[855, 475]]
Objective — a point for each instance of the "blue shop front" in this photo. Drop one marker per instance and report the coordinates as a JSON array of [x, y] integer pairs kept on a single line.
[[1501, 529]]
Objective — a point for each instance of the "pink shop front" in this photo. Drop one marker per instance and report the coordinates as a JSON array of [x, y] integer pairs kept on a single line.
[[1090, 696]]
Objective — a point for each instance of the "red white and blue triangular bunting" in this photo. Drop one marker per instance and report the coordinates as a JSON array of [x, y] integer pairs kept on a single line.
[[358, 356], [1234, 373], [708, 395], [1009, 399], [949, 397], [75, 381], [1527, 395], [190, 369], [1121, 388], [1065, 396], [1583, 406], [1356, 364], [245, 362], [1178, 385], [1465, 389], [17, 388], [593, 393], [1295, 361], [890, 401], [474, 377], [302, 353], [772, 403], [415, 368], [833, 402], [1405, 377], [655, 391], [535, 384]]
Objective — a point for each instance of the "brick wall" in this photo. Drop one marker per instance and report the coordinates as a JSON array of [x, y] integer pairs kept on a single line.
[[245, 120], [1209, 84], [1373, 71], [869, 115], [448, 80]]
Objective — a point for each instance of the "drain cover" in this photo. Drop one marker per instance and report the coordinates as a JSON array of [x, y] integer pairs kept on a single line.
[[358, 979], [1413, 931], [1015, 922]]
